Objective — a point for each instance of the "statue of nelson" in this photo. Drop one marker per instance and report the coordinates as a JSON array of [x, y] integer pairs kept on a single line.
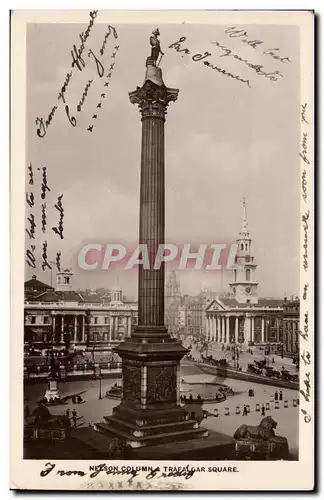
[[155, 44]]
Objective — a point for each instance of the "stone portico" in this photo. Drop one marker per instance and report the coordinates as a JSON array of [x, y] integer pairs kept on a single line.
[[228, 324]]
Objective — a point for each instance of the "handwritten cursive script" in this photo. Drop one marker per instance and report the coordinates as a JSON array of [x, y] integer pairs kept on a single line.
[[243, 35], [197, 57], [258, 68], [305, 219]]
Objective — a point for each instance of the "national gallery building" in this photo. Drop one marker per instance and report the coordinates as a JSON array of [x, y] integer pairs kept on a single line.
[[54, 316]]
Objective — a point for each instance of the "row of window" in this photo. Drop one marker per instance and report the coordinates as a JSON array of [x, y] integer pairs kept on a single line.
[[120, 319], [293, 325], [47, 320]]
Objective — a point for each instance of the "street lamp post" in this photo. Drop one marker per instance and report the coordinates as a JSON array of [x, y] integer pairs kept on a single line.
[[100, 395], [236, 355]]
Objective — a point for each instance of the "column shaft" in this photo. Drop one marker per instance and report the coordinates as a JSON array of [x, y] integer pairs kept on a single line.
[[111, 327], [83, 329], [152, 220], [75, 328], [53, 328], [236, 329], [62, 328], [262, 331]]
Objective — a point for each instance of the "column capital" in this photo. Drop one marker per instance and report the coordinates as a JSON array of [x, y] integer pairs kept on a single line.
[[153, 99]]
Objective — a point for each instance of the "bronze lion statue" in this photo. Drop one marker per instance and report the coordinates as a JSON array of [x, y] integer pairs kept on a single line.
[[264, 431]]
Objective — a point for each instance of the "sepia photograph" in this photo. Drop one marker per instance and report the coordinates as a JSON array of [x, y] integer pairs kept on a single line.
[[163, 199]]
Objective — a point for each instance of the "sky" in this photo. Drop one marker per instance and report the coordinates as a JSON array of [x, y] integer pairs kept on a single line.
[[223, 140]]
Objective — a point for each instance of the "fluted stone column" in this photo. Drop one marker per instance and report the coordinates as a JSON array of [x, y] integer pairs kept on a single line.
[[129, 332], [223, 330], [62, 328], [236, 329], [252, 329], [75, 328], [153, 100], [213, 337], [53, 328], [208, 332], [227, 339], [83, 329], [111, 327]]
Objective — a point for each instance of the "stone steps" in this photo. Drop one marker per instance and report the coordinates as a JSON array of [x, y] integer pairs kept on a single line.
[[147, 429], [158, 438]]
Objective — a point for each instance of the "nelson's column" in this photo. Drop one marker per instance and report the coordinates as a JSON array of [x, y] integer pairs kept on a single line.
[[150, 411]]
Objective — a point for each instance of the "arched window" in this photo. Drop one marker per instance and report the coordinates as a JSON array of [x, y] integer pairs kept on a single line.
[[242, 246], [248, 275], [246, 246], [235, 275]]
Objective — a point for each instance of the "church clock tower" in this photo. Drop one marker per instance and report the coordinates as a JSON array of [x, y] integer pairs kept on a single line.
[[244, 288]]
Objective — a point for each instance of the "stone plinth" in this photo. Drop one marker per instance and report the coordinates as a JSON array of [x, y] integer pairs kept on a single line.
[[52, 391], [150, 411]]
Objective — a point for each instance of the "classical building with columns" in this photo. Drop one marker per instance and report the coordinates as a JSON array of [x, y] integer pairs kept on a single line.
[[53, 316], [243, 317]]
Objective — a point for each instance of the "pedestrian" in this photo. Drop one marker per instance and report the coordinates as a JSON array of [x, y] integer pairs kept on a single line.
[[273, 361], [27, 411], [280, 396], [74, 417], [276, 396], [263, 410], [245, 411], [190, 398], [68, 413]]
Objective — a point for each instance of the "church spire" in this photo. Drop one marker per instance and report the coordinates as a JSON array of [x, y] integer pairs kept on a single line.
[[244, 233], [244, 287]]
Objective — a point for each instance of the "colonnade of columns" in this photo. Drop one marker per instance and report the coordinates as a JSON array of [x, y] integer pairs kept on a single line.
[[113, 327], [75, 327], [218, 328]]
